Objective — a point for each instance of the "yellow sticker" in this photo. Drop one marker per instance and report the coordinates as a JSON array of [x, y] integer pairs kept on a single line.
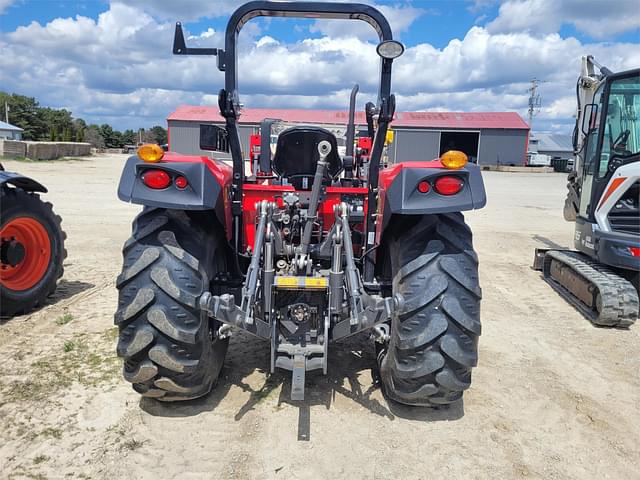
[[301, 282], [316, 282], [291, 282], [389, 137]]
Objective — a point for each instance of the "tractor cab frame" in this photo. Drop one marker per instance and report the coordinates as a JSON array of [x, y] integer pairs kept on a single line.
[[229, 98], [310, 248]]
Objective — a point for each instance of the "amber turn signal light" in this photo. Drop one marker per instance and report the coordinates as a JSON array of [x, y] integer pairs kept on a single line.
[[150, 152], [454, 159]]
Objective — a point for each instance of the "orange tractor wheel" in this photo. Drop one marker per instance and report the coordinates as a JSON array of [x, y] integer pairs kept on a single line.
[[31, 251]]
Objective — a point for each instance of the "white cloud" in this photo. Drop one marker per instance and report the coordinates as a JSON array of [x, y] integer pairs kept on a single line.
[[4, 4], [119, 69], [400, 18], [478, 5], [185, 10], [596, 18]]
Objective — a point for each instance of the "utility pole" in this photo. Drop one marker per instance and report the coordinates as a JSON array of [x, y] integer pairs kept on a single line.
[[535, 101], [6, 111]]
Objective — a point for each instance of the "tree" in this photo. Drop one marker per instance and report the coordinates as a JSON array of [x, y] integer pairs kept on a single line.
[[58, 122], [79, 127], [93, 136], [146, 136], [24, 112], [129, 137], [46, 123], [159, 134], [112, 138]]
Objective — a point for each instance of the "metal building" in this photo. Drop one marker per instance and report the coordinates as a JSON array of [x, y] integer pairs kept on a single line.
[[491, 138], [10, 132], [556, 146]]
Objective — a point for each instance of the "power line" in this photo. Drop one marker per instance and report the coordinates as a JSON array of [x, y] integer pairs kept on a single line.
[[535, 101]]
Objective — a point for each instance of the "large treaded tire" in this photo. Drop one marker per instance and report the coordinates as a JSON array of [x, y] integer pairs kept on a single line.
[[19, 203], [434, 335], [168, 345]]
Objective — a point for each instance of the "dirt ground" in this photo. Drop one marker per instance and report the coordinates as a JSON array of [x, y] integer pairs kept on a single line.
[[553, 397]]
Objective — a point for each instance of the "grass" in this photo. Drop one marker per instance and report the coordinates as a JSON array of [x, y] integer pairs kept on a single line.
[[51, 432], [64, 319], [86, 359], [110, 335], [132, 444], [40, 459]]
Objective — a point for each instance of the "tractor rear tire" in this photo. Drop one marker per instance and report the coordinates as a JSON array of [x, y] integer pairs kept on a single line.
[[169, 346], [434, 335], [28, 221]]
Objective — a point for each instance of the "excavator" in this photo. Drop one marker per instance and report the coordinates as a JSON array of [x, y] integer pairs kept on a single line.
[[601, 277]]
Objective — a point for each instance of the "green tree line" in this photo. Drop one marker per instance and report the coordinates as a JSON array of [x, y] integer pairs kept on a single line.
[[59, 125]]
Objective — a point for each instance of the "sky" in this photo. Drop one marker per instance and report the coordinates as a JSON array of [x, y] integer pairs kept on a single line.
[[111, 62]]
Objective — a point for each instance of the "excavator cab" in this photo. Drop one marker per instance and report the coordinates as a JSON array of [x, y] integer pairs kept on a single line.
[[602, 278], [612, 137]]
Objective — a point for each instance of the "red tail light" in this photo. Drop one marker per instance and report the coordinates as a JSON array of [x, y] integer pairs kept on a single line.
[[156, 179], [635, 251], [448, 185], [423, 186], [181, 182]]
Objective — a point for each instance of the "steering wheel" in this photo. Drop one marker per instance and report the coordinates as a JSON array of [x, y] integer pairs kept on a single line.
[[620, 139]]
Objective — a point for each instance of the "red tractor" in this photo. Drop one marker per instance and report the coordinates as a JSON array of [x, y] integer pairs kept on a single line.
[[31, 245], [307, 250]]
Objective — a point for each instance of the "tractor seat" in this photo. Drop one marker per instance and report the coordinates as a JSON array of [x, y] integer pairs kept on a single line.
[[297, 156]]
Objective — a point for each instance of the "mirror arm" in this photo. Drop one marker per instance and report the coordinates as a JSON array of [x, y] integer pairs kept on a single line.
[[180, 47]]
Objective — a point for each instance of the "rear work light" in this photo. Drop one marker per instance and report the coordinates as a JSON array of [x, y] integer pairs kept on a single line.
[[156, 179], [448, 185]]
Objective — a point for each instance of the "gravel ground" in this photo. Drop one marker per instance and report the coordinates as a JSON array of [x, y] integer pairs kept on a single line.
[[553, 397]]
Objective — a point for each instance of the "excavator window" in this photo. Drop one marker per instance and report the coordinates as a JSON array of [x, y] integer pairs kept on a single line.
[[622, 123]]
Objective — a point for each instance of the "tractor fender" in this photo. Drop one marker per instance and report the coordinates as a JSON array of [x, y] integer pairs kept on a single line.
[[20, 181], [207, 187], [400, 186], [399, 194]]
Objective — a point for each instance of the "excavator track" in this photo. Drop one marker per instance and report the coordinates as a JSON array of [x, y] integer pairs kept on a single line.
[[605, 298]]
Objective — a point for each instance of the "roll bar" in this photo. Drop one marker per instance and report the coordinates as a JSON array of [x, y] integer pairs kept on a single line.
[[229, 103], [316, 10]]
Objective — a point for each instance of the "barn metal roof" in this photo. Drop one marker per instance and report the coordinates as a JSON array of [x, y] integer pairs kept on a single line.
[[456, 120], [550, 142], [8, 126]]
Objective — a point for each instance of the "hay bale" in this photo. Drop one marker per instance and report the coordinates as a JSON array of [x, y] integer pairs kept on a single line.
[[82, 149], [53, 150], [42, 150], [65, 149], [13, 148]]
